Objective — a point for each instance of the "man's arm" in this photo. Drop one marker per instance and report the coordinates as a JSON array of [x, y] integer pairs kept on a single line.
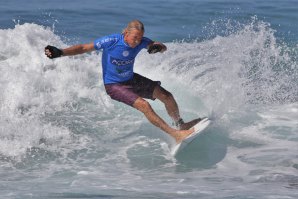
[[155, 47], [53, 52]]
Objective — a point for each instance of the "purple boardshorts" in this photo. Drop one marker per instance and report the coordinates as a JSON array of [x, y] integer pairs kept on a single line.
[[128, 91]]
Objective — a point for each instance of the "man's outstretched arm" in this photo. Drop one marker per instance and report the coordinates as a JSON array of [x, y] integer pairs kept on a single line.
[[54, 52]]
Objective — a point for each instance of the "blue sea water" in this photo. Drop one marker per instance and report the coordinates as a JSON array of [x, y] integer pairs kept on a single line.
[[61, 136]]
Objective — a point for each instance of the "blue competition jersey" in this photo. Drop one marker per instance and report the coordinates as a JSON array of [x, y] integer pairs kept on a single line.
[[118, 57]]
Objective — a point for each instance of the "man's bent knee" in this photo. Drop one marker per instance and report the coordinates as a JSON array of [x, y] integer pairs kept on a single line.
[[142, 105], [162, 94]]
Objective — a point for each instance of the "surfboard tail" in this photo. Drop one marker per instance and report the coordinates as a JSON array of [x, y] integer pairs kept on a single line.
[[198, 128]]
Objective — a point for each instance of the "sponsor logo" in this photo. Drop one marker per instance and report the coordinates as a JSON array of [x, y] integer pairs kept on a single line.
[[119, 62], [123, 73], [125, 53], [101, 42], [98, 44]]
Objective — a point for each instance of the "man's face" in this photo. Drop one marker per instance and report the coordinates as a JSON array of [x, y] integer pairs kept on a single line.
[[133, 37]]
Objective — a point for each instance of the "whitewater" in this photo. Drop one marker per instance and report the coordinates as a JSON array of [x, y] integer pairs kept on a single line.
[[61, 136]]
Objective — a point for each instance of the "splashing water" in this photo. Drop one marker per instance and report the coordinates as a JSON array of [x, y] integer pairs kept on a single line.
[[57, 120]]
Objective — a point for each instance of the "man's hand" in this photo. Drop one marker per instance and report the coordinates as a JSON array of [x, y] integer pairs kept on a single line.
[[156, 47], [52, 52]]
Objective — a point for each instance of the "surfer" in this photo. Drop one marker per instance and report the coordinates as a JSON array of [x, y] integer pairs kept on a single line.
[[122, 84]]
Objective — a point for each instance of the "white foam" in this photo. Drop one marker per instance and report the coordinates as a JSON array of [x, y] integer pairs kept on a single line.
[[34, 87], [227, 73], [83, 173], [41, 97]]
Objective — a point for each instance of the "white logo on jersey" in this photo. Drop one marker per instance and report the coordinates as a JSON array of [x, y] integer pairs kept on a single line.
[[120, 62], [98, 44], [125, 53]]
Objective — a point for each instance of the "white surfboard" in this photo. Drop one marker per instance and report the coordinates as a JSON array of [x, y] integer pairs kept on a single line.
[[199, 129]]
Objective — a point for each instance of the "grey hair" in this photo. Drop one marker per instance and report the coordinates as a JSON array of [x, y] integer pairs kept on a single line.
[[134, 24]]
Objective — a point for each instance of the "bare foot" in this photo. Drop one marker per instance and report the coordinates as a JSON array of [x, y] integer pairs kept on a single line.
[[180, 135], [190, 124]]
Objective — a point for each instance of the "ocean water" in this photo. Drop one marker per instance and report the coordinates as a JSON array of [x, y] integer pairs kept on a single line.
[[61, 136]]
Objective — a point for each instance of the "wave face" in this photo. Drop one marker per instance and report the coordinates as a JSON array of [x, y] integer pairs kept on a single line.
[[59, 125]]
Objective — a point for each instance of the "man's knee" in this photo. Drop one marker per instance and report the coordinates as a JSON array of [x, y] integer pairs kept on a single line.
[[142, 105], [162, 94]]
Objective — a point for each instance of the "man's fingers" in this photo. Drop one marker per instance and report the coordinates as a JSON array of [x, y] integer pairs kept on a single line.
[[48, 53], [53, 52]]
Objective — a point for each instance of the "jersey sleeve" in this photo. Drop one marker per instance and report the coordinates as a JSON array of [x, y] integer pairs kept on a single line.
[[145, 42], [105, 42]]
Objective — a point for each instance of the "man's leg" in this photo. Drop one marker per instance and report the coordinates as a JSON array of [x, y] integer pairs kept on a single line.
[[172, 108], [143, 106]]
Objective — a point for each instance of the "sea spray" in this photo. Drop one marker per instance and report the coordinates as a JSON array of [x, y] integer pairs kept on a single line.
[[248, 66], [34, 88]]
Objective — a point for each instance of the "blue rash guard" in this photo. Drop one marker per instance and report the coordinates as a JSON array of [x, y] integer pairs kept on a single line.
[[118, 57]]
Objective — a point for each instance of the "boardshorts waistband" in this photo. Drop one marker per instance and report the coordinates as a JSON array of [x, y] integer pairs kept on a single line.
[[128, 91]]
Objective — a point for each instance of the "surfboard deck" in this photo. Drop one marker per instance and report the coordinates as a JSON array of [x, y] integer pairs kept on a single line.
[[199, 129]]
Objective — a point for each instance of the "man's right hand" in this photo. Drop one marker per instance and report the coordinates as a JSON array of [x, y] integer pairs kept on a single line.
[[52, 52], [154, 48]]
